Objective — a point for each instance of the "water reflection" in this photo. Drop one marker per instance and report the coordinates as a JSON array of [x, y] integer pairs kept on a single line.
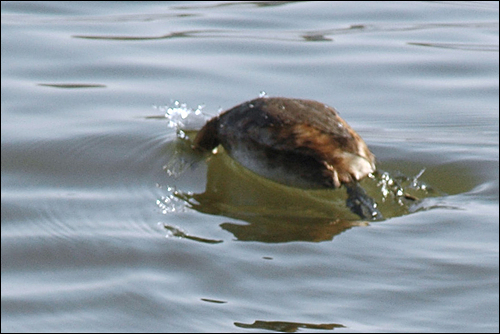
[[269, 212], [174, 231], [266, 211], [272, 230], [286, 326]]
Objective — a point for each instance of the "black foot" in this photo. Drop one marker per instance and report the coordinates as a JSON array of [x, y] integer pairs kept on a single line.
[[362, 204]]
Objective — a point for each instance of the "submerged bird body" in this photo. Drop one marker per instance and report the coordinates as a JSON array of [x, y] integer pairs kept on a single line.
[[300, 143]]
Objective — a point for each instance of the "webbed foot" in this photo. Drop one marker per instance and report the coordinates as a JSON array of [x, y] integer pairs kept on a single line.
[[361, 204]]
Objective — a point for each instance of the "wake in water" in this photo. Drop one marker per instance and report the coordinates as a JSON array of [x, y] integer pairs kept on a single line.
[[233, 191]]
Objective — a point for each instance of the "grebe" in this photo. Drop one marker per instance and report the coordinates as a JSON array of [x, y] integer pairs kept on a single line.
[[299, 143]]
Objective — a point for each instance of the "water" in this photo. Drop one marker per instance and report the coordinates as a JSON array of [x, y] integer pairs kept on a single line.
[[110, 224]]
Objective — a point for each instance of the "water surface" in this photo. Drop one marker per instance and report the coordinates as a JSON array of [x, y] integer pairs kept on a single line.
[[101, 226]]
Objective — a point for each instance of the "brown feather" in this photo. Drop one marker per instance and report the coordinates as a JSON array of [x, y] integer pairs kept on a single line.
[[305, 139]]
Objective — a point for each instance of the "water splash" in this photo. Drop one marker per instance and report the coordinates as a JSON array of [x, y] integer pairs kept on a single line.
[[416, 184], [186, 121], [406, 192], [183, 118], [171, 203]]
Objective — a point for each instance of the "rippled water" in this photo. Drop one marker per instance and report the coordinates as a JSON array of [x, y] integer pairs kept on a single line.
[[111, 223]]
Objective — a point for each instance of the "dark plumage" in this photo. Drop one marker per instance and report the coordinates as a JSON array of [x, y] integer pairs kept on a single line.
[[299, 143]]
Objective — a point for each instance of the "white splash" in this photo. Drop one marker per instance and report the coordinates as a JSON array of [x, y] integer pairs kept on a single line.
[[183, 118]]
